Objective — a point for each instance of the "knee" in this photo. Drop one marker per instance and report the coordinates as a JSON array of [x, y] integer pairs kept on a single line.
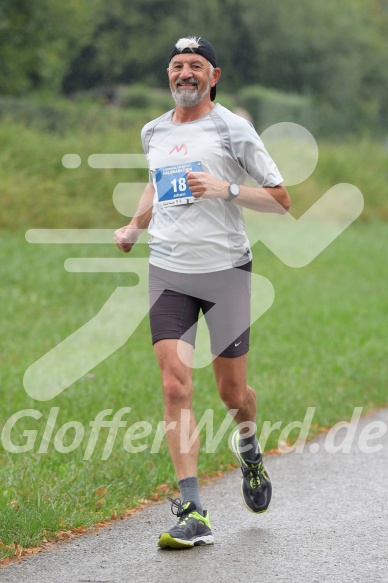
[[234, 395], [176, 392], [234, 402]]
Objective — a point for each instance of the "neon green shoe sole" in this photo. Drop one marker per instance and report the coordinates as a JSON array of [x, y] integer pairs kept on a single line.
[[192, 530], [166, 541]]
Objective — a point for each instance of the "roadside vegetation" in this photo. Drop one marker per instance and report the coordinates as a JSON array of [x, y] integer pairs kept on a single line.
[[82, 78], [320, 345]]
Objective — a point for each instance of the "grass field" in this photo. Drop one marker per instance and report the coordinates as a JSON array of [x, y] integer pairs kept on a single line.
[[38, 192], [322, 344]]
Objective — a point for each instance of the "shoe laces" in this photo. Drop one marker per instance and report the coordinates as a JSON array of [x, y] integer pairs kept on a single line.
[[254, 471], [177, 507]]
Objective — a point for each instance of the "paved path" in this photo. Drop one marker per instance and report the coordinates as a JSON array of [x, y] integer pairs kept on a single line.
[[328, 522]]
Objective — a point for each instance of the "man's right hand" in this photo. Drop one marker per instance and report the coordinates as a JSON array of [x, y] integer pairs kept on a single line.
[[126, 237]]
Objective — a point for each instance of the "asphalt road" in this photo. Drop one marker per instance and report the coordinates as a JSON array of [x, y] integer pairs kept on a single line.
[[328, 522]]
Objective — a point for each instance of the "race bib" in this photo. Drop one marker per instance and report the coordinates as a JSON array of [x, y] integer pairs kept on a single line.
[[171, 184]]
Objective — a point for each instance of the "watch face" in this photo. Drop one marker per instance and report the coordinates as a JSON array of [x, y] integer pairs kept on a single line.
[[234, 189]]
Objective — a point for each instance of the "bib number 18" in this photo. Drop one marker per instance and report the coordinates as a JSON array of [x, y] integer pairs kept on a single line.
[[179, 185], [171, 183]]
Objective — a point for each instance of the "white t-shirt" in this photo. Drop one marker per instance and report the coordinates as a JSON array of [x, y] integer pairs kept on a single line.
[[207, 235]]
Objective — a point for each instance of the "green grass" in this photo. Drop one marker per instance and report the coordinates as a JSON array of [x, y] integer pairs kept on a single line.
[[322, 344], [362, 163], [37, 191]]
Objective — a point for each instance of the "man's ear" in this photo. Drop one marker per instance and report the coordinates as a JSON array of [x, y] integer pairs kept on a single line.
[[216, 76]]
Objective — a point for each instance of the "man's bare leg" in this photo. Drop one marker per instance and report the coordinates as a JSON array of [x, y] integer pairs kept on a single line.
[[256, 488], [193, 527], [231, 379], [178, 396]]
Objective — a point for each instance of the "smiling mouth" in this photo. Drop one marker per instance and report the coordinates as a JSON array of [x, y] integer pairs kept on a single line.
[[186, 85]]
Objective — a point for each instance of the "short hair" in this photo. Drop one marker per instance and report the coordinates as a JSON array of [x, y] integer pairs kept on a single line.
[[191, 42]]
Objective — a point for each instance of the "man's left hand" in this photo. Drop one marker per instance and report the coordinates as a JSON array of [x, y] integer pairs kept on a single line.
[[204, 185]]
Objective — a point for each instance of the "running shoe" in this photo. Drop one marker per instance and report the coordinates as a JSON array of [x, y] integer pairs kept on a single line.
[[256, 488], [193, 529]]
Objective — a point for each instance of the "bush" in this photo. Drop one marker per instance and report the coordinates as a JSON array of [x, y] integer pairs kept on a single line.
[[141, 96], [268, 106], [60, 115]]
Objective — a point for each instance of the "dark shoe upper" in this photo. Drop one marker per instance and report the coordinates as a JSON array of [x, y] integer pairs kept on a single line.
[[256, 484], [192, 528], [190, 522], [256, 487]]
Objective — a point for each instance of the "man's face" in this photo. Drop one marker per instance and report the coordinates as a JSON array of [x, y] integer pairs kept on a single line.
[[190, 78]]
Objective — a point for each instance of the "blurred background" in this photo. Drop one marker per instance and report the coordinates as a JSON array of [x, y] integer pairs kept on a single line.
[[96, 71], [82, 77], [322, 63], [85, 76]]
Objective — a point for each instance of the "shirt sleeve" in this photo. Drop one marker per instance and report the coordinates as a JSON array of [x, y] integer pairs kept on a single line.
[[252, 155]]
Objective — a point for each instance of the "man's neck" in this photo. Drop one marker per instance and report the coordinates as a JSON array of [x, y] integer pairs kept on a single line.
[[185, 114]]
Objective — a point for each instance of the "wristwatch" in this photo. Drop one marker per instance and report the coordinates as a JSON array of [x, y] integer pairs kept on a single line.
[[234, 191]]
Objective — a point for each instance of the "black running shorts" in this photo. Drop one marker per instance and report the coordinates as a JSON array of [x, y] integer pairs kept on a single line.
[[224, 297]]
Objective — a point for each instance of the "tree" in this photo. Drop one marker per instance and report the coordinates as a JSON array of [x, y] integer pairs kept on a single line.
[[38, 41]]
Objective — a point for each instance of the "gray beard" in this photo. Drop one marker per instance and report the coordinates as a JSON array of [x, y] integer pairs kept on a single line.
[[186, 98]]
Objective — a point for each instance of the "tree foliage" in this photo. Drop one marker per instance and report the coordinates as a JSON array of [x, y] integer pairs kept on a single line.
[[39, 40], [334, 52]]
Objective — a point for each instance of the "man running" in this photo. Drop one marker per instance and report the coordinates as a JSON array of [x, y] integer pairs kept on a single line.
[[199, 156]]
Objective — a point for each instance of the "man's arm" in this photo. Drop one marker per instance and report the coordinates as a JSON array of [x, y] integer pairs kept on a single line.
[[268, 199], [126, 237]]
